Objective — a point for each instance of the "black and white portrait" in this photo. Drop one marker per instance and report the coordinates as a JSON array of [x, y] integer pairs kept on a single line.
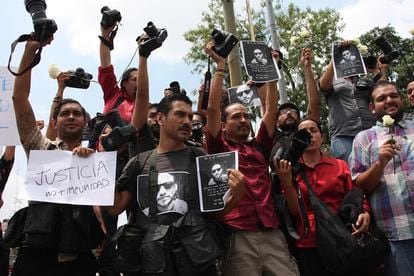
[[212, 174], [170, 193], [245, 95], [258, 61], [347, 61]]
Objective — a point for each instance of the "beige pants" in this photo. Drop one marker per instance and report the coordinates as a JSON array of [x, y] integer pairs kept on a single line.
[[263, 252]]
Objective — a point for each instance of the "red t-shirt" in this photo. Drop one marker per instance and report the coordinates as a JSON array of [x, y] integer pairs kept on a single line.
[[256, 207], [330, 179], [112, 92]]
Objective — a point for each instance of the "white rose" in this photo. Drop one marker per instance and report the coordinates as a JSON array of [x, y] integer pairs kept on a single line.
[[305, 34], [54, 71], [294, 40], [363, 49], [387, 121], [411, 30], [356, 41]]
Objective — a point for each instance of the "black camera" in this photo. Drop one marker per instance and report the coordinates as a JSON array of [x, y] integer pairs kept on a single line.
[[109, 17], [197, 132], [176, 89], [44, 28], [388, 53], [370, 61], [294, 149], [155, 38], [121, 132], [223, 42], [78, 79]]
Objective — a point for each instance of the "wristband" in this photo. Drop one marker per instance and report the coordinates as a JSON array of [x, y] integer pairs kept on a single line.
[[219, 73]]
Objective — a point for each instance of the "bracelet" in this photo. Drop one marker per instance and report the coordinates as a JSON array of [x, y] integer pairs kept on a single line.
[[220, 70], [219, 73]]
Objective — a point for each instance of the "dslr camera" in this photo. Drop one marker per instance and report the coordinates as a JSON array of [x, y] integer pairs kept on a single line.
[[121, 132], [155, 38], [109, 17], [78, 79], [176, 89], [389, 54], [44, 28], [223, 42], [294, 148]]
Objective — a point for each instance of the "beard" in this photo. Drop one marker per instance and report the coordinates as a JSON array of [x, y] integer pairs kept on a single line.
[[397, 116], [288, 127]]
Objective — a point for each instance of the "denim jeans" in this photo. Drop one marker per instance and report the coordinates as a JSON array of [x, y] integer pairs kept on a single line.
[[342, 147], [400, 260]]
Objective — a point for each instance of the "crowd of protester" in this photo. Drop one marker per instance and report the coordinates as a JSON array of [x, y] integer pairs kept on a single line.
[[247, 237]]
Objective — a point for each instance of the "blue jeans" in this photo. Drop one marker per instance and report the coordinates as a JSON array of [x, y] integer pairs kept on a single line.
[[342, 147], [400, 260]]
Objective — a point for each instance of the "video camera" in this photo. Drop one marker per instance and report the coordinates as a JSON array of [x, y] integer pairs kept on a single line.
[[294, 149], [121, 132], [388, 53], [223, 42], [78, 79], [155, 39], [44, 28], [176, 89], [109, 17]]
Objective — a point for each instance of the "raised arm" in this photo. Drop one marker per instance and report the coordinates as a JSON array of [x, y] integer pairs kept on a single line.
[[139, 116], [314, 102], [51, 133], [213, 108], [104, 51], [325, 82], [24, 113], [272, 97]]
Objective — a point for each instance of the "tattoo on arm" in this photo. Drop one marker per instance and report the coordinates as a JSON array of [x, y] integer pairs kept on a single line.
[[25, 123]]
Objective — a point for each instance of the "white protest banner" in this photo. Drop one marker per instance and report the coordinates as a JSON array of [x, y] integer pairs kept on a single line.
[[62, 177], [8, 128]]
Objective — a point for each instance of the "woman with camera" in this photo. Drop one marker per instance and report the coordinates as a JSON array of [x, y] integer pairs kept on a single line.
[[330, 179]]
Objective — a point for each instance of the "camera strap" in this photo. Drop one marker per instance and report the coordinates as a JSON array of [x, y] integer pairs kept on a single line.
[[152, 186], [109, 43], [36, 58], [207, 82]]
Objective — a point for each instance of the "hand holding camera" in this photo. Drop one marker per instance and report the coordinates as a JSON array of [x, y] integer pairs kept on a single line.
[[44, 28], [153, 39]]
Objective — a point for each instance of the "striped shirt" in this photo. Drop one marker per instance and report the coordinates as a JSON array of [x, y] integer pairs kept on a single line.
[[392, 201]]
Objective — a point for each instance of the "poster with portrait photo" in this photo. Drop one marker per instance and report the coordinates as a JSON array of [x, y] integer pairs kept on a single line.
[[244, 94], [258, 61], [213, 179], [347, 61], [170, 201]]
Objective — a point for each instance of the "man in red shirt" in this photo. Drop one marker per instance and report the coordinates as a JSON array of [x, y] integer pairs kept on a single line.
[[258, 246], [121, 98]]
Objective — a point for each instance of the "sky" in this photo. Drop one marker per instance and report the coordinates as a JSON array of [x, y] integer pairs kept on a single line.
[[76, 45]]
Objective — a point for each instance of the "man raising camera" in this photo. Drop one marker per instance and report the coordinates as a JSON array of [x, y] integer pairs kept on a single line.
[[121, 98]]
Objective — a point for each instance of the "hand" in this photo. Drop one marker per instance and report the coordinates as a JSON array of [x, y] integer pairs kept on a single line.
[[275, 55], [361, 224], [284, 171], [64, 76], [236, 183], [386, 152], [218, 59], [106, 32], [34, 45], [307, 56], [82, 151], [40, 124], [201, 90], [345, 43]]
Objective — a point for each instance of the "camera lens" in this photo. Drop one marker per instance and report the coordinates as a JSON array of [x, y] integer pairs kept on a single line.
[[217, 36]]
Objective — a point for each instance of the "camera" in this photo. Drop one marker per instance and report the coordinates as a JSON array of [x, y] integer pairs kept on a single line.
[[155, 38], [78, 79], [197, 132], [121, 132], [44, 28], [389, 53], [109, 17], [176, 89], [294, 149], [370, 61], [223, 42]]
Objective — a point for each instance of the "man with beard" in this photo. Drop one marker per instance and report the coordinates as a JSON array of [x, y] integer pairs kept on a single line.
[[382, 165], [54, 242], [289, 114], [258, 245], [410, 96]]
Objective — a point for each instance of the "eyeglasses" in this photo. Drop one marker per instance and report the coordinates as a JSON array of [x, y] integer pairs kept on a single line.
[[240, 93], [216, 170], [285, 111], [257, 53]]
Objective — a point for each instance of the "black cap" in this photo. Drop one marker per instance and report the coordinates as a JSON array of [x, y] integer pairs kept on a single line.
[[290, 105]]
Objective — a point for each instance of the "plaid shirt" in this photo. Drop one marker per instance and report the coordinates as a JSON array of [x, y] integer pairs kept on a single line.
[[392, 201]]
